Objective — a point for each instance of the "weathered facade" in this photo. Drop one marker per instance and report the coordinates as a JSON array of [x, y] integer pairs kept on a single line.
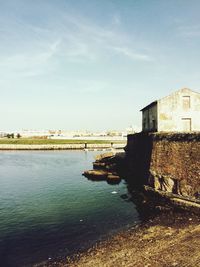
[[178, 112]]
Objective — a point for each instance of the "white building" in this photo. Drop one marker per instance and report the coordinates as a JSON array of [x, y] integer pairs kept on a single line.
[[178, 112]]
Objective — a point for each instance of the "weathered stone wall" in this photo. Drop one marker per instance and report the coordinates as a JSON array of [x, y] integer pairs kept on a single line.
[[169, 162]]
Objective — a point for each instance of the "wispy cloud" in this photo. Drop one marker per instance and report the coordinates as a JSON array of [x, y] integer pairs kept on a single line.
[[71, 38], [131, 54], [94, 40], [29, 64]]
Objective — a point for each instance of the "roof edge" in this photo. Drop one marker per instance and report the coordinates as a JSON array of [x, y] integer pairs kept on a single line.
[[150, 105], [156, 101]]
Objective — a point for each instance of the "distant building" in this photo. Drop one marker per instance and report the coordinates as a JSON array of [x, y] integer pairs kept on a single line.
[[178, 112], [113, 133], [3, 134], [33, 133]]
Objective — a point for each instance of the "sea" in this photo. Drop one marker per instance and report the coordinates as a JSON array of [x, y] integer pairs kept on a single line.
[[48, 210]]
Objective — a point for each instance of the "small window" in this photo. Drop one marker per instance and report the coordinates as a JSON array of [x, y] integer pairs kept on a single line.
[[186, 124], [186, 102]]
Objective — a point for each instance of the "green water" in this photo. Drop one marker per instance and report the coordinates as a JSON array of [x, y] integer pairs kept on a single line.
[[48, 209]]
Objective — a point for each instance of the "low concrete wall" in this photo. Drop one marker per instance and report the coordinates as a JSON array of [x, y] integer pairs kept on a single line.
[[169, 162], [59, 147], [41, 147]]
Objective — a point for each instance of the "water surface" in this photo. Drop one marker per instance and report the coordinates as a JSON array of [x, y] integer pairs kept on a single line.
[[48, 209]]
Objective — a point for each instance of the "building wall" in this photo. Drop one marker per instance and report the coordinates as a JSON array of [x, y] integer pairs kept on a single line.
[[149, 119], [179, 111]]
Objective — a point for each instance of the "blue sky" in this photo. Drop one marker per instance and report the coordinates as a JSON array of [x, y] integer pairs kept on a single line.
[[93, 64]]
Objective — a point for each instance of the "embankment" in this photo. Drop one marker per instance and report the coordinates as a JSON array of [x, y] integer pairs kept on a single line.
[[167, 162]]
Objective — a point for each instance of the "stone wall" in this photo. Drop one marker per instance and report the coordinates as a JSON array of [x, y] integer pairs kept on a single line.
[[167, 162]]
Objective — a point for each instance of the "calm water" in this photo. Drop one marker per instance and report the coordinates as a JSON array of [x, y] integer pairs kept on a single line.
[[48, 209]]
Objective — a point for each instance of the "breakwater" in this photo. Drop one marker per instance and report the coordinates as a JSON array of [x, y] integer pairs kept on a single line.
[[81, 146]]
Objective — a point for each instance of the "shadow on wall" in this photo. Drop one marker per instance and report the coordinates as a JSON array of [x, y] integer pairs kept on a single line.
[[138, 154]]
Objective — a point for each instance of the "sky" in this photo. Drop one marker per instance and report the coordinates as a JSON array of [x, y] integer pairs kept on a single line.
[[93, 64]]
